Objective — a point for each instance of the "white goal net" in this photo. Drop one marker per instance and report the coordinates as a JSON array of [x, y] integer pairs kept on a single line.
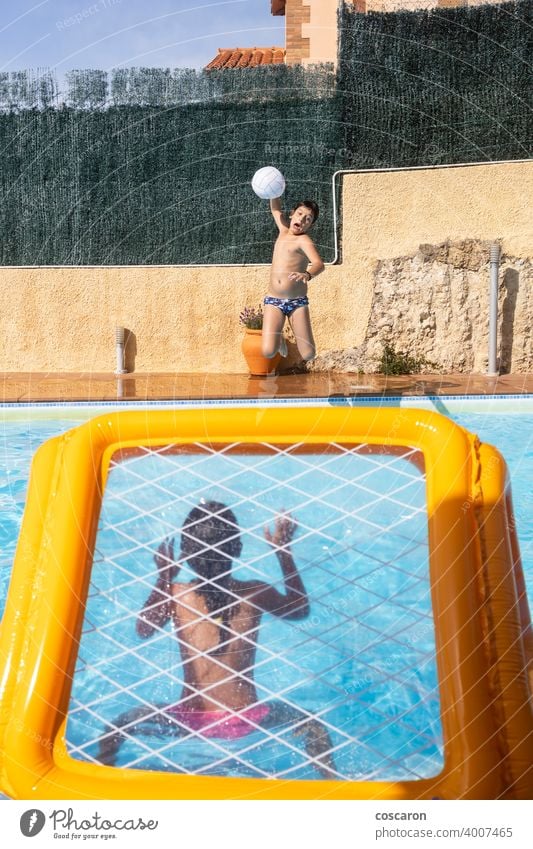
[[348, 691]]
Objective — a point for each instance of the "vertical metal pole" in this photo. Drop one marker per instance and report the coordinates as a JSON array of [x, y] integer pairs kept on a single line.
[[493, 309]]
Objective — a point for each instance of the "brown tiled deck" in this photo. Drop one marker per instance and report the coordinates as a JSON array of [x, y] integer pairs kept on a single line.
[[37, 386]]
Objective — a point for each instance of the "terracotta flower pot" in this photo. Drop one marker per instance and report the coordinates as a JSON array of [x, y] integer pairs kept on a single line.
[[251, 348]]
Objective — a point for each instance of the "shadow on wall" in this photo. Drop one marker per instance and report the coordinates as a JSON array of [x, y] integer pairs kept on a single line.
[[130, 349], [511, 282]]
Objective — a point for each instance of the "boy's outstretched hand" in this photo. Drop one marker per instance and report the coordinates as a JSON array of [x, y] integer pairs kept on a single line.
[[166, 562], [284, 530]]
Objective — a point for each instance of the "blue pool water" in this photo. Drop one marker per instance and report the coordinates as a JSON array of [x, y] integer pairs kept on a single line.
[[363, 660]]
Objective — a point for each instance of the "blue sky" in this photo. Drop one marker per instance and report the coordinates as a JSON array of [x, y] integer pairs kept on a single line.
[[67, 34]]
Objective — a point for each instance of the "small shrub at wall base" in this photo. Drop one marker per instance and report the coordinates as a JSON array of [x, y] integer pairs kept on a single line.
[[251, 318], [397, 362]]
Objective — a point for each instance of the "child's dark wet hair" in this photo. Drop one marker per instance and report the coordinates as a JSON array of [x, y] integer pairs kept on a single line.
[[210, 533], [210, 540], [309, 204]]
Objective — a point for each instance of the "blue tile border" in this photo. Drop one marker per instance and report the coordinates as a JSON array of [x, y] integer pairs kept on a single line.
[[335, 399]]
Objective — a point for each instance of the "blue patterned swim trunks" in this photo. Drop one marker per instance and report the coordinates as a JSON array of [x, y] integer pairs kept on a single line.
[[287, 305]]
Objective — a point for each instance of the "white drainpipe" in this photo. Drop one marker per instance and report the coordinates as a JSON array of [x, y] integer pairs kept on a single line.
[[120, 348], [493, 310]]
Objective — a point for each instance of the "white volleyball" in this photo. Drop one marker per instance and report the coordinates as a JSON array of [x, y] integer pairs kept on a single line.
[[268, 183]]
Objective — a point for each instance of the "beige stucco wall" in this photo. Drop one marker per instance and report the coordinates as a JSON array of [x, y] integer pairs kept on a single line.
[[387, 215], [186, 319], [321, 31]]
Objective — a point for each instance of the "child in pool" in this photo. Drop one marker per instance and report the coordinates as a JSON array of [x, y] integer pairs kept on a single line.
[[216, 619], [295, 262]]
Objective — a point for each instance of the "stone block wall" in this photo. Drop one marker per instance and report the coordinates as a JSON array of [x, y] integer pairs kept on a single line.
[[434, 306], [297, 13]]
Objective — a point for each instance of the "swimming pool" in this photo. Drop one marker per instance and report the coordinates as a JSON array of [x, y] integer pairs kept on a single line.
[[377, 696]]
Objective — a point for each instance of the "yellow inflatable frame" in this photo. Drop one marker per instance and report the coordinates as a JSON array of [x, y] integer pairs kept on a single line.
[[482, 624]]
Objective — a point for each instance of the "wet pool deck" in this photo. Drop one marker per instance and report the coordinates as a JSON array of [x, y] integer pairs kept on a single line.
[[41, 387]]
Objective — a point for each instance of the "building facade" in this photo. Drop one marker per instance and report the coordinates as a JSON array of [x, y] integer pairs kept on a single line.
[[311, 25]]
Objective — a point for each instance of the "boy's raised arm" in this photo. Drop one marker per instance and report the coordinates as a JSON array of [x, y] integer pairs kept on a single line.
[[277, 213], [157, 608], [294, 604]]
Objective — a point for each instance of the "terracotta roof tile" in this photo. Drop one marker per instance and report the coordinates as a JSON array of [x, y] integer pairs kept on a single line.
[[246, 57]]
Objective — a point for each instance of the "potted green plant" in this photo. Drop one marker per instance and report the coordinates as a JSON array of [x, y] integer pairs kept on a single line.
[[252, 321]]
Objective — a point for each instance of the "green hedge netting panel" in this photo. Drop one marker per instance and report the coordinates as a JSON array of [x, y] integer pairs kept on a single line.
[[142, 186], [437, 87], [151, 166], [156, 185]]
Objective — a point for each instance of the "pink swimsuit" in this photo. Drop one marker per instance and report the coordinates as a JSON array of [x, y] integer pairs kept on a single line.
[[226, 724]]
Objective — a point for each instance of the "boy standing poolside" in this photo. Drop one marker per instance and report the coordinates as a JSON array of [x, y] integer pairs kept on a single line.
[[295, 263]]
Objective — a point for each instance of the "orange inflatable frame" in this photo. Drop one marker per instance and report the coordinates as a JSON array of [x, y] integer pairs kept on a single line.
[[482, 624]]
